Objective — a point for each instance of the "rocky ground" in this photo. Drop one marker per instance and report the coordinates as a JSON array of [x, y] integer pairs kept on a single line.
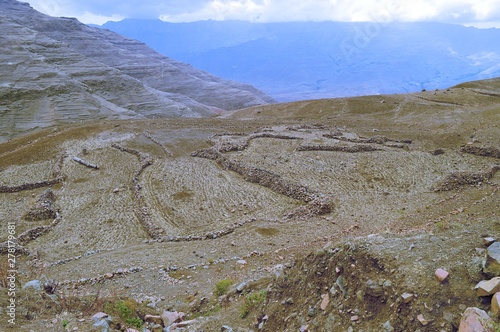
[[328, 215]]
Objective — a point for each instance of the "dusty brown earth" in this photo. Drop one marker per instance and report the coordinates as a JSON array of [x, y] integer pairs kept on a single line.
[[379, 191]]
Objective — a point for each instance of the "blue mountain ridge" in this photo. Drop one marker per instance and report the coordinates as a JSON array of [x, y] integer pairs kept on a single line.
[[310, 60]]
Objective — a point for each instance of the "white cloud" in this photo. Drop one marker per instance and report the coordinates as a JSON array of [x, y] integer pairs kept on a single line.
[[88, 18], [58, 8], [471, 12], [456, 11]]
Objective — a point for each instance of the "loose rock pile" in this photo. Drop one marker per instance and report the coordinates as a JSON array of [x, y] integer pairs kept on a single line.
[[475, 319], [43, 208]]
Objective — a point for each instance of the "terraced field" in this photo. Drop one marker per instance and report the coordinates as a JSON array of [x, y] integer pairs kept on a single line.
[[182, 203]]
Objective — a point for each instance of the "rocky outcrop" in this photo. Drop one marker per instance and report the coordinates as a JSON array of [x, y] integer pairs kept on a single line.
[[58, 69]]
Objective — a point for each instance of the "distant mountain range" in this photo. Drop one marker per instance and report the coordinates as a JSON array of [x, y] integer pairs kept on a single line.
[[58, 69], [305, 60]]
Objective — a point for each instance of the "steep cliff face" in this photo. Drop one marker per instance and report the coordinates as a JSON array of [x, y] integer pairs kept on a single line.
[[57, 69]]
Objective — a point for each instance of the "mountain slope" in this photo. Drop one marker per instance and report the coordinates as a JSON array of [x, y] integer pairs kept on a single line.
[[381, 190], [57, 69], [306, 60]]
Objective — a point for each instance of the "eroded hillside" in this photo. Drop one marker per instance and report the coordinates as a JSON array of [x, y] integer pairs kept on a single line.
[[56, 70]]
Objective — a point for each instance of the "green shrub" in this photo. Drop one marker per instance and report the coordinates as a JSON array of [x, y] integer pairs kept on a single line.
[[252, 301], [126, 310], [134, 322], [221, 287]]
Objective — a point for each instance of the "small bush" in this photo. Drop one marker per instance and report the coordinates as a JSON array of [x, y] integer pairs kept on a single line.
[[126, 310], [221, 287], [134, 322], [252, 301]]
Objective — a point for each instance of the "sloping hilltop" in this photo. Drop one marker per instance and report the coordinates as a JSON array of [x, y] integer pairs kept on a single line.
[[312, 216]]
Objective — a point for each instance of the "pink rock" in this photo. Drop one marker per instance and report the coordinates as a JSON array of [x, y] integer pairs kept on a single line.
[[488, 287], [326, 300], [495, 304], [441, 275], [475, 320], [170, 317]]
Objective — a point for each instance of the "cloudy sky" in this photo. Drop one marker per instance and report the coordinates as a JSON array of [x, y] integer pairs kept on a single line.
[[480, 13]]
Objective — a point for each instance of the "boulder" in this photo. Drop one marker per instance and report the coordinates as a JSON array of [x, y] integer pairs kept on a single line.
[[35, 284], [241, 287], [488, 241], [488, 287], [104, 321], [99, 316], [495, 304], [441, 275], [492, 264], [171, 317], [475, 320]]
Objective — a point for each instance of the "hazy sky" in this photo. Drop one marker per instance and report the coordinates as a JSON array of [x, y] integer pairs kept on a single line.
[[480, 13]]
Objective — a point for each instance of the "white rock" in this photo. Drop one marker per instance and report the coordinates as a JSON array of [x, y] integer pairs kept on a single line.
[[99, 316], [407, 297], [488, 241], [35, 284], [325, 301], [488, 287], [423, 320]]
